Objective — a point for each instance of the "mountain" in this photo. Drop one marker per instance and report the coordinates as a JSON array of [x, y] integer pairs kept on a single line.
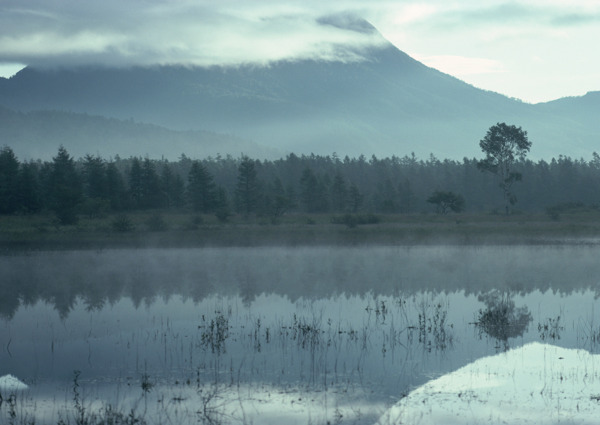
[[37, 135], [386, 104]]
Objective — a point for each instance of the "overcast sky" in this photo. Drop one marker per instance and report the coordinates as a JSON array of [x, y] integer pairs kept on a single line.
[[535, 50]]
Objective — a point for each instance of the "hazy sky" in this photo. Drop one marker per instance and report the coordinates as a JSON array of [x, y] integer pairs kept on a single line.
[[534, 50]]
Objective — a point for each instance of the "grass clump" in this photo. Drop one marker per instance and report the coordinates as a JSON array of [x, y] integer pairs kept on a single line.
[[122, 224]]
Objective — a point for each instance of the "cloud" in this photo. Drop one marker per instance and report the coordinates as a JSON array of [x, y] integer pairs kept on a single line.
[[487, 41], [230, 32], [468, 15], [147, 32]]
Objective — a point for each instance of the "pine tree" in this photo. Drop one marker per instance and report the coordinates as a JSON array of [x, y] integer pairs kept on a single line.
[[94, 173], [339, 193], [9, 177], [136, 189], [30, 200], [201, 190], [355, 198], [152, 196], [313, 192], [65, 187], [247, 192], [222, 211], [115, 187], [276, 200], [172, 187]]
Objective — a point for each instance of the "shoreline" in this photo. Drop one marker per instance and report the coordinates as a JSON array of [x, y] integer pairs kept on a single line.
[[33, 233]]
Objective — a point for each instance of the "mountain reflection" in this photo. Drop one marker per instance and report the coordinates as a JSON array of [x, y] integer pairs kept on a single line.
[[100, 278]]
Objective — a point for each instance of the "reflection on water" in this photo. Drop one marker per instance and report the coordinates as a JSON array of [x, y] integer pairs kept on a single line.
[[357, 324], [100, 278], [501, 319]]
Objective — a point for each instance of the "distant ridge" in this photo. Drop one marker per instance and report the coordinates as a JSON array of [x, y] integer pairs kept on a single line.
[[386, 104], [38, 134]]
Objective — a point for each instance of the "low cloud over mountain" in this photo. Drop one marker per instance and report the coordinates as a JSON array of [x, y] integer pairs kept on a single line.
[[378, 100]]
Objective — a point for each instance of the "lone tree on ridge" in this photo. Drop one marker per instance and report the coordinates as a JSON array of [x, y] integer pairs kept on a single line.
[[503, 144]]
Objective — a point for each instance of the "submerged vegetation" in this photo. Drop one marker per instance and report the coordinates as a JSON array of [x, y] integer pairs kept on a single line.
[[223, 360], [219, 335]]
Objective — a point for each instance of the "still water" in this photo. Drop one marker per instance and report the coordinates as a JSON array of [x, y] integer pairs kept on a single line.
[[272, 335]]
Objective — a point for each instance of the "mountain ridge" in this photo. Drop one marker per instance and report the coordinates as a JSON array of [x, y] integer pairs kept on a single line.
[[387, 104], [38, 134]]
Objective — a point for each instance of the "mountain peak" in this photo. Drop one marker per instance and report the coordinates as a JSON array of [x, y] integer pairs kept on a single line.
[[348, 21], [387, 103]]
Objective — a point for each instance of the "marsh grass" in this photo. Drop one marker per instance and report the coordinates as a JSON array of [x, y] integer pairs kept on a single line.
[[306, 352]]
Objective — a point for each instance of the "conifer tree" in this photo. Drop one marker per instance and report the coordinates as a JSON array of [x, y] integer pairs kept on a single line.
[[9, 177], [65, 187], [115, 187], [201, 190], [30, 200], [247, 192]]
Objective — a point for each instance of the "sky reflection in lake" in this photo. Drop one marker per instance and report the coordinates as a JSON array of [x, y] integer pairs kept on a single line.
[[375, 322]]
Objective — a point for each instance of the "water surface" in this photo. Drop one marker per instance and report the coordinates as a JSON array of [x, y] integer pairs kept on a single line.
[[305, 334]]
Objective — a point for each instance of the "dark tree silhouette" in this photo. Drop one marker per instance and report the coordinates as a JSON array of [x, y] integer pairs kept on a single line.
[[201, 190], [386, 197], [222, 211], [314, 184], [276, 200], [115, 187], [30, 200], [447, 201], [94, 174], [247, 192], [172, 187], [313, 192], [65, 187], [152, 196], [503, 144], [339, 193], [136, 186], [355, 198], [9, 178]]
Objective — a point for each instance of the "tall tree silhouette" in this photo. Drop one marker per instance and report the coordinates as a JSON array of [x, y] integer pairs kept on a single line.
[[115, 187], [201, 190], [65, 187], [172, 187], [30, 200], [503, 145], [9, 177], [94, 173], [247, 191], [339, 193]]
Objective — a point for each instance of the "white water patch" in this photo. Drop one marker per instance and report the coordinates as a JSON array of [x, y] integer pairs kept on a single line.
[[535, 384], [10, 383]]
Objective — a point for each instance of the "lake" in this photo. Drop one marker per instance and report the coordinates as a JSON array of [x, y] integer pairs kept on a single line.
[[275, 334]]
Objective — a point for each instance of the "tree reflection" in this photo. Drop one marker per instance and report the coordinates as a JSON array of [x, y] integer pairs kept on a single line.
[[501, 319]]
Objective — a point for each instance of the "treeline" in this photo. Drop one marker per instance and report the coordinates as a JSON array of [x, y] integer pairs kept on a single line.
[[223, 186]]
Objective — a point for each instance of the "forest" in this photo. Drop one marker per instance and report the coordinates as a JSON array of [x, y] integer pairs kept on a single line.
[[224, 186]]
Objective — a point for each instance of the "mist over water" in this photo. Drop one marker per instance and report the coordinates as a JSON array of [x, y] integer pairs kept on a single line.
[[366, 324], [100, 276]]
